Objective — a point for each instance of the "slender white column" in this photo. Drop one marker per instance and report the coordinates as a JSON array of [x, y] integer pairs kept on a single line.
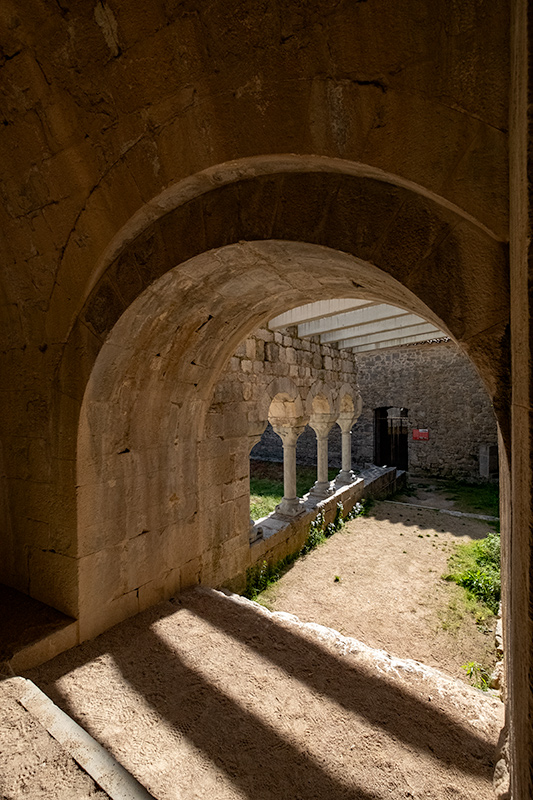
[[322, 487], [291, 505], [346, 475]]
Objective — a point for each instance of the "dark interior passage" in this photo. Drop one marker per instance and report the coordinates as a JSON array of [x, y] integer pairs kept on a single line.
[[390, 437]]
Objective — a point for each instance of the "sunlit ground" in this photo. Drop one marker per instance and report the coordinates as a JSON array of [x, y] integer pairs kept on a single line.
[[210, 697]]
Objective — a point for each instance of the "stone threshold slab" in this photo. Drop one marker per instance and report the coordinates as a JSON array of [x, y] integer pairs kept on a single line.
[[94, 759]]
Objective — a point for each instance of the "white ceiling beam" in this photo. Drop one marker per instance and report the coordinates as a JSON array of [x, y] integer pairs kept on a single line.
[[392, 324], [311, 311], [413, 333], [372, 348], [361, 316]]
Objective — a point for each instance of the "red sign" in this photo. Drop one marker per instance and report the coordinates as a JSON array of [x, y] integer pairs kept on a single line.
[[420, 433]]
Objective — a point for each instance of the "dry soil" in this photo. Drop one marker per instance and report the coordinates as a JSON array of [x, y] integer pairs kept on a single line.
[[380, 580], [213, 696]]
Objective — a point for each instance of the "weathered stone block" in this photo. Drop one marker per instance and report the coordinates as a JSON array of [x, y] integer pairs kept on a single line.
[[271, 351]]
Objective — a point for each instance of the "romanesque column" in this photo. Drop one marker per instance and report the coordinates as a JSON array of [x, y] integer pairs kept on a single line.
[[322, 487], [291, 505], [346, 475]]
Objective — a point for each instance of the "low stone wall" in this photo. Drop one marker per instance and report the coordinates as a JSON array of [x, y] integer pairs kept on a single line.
[[282, 538]]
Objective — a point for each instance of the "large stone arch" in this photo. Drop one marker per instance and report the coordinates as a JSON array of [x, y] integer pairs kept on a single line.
[[186, 290]]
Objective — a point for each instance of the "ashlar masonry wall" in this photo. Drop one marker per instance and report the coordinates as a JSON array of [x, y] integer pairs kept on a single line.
[[435, 382], [273, 354], [442, 392]]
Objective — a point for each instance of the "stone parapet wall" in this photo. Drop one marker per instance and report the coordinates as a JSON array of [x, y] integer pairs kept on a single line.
[[442, 392]]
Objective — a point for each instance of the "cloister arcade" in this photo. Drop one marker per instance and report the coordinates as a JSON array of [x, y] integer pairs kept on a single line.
[[289, 413]]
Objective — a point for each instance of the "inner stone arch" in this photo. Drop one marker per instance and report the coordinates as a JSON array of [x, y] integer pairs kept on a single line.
[[157, 507]]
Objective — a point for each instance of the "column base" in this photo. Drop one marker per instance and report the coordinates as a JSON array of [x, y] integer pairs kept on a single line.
[[292, 507], [322, 489], [345, 477]]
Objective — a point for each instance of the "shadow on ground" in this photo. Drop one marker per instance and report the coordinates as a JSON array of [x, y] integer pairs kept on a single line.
[[428, 519], [261, 761]]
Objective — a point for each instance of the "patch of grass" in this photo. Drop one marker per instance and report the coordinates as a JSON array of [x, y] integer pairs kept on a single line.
[[474, 498], [266, 491], [461, 605], [476, 567], [265, 494]]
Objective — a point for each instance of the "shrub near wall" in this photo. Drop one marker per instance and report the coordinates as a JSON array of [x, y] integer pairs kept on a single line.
[[442, 392]]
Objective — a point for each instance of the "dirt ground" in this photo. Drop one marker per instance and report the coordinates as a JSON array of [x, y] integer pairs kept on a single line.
[[33, 766], [214, 696], [389, 592]]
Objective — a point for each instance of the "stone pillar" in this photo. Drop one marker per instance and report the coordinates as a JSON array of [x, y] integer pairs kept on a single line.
[[346, 476], [254, 533], [291, 505], [517, 560], [323, 487]]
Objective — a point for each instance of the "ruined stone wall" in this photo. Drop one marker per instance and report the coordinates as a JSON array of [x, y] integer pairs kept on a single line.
[[442, 392]]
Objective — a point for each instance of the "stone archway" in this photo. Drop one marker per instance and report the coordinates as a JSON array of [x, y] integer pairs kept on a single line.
[[169, 310]]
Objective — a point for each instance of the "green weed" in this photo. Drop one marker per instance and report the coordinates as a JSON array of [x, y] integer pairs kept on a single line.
[[337, 523], [478, 675], [263, 575], [315, 536], [476, 567]]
